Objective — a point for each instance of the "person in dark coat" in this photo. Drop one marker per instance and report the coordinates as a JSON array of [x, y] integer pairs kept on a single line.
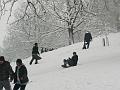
[[71, 61], [20, 76], [6, 72], [35, 53], [87, 39]]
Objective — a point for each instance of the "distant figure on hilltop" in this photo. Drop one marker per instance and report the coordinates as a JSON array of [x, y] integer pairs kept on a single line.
[[87, 40], [71, 61], [35, 54]]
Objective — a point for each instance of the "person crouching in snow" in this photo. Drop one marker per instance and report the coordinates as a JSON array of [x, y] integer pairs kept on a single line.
[[20, 77], [71, 61]]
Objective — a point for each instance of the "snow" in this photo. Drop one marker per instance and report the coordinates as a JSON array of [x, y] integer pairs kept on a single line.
[[97, 69]]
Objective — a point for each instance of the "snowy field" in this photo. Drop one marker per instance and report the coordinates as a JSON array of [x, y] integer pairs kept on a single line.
[[98, 68]]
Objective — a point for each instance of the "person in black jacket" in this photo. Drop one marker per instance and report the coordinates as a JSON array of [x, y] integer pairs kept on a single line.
[[87, 39], [20, 76], [6, 72], [71, 61], [35, 53]]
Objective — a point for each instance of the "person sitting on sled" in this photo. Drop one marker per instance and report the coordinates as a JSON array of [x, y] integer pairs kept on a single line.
[[71, 61]]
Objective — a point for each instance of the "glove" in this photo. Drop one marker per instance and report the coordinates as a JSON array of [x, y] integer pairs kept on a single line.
[[10, 80]]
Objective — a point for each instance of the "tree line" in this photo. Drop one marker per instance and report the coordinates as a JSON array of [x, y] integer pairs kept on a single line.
[[56, 23]]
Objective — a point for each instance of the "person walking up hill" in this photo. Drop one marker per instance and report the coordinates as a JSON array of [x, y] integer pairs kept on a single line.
[[35, 54]]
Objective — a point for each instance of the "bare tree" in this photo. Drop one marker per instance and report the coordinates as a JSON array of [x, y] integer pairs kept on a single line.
[[68, 14], [41, 18]]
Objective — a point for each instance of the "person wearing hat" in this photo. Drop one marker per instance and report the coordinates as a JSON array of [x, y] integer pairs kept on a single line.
[[6, 72], [71, 61], [35, 53], [20, 76]]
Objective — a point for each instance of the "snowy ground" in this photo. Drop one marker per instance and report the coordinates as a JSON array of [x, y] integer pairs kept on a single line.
[[98, 68]]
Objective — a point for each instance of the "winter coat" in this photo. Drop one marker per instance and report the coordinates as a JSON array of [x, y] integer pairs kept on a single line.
[[6, 71], [35, 50], [74, 60], [22, 74], [88, 37]]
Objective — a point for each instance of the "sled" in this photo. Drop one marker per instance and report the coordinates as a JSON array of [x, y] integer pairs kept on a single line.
[[38, 57], [64, 66]]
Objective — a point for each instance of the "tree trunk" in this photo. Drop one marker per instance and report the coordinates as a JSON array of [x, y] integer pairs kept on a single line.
[[71, 37], [106, 41], [118, 23]]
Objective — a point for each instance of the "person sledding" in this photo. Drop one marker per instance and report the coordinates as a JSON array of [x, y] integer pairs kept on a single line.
[[35, 54], [70, 61]]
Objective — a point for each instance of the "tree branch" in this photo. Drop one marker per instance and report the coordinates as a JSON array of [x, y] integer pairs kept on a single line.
[[59, 16], [11, 8]]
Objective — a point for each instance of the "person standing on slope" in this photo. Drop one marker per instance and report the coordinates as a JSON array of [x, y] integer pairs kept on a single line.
[[5, 72], [87, 40], [35, 53], [20, 76]]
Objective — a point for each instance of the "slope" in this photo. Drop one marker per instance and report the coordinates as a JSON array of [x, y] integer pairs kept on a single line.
[[98, 68]]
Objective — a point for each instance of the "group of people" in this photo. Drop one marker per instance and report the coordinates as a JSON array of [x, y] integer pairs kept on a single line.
[[7, 75], [43, 49], [74, 59], [36, 54], [20, 76]]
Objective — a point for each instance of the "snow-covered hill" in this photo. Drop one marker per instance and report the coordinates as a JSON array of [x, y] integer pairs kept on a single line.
[[98, 68]]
